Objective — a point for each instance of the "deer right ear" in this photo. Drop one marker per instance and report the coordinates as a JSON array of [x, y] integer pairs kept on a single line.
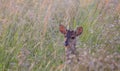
[[62, 29]]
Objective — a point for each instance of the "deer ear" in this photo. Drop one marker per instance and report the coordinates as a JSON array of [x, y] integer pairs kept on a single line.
[[79, 31], [62, 29]]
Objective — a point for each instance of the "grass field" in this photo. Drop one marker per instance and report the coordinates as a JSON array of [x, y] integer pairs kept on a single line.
[[30, 39]]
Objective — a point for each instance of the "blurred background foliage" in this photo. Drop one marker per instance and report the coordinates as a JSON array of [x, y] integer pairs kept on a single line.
[[30, 39]]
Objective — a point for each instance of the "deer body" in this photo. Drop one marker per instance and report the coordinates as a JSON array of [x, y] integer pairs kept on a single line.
[[70, 41]]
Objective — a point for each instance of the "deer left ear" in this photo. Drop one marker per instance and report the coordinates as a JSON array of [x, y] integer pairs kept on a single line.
[[79, 31]]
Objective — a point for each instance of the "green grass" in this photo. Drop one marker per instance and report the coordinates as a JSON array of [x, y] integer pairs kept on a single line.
[[30, 39]]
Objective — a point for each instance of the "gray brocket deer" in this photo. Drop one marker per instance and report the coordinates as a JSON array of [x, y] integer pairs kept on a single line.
[[70, 41]]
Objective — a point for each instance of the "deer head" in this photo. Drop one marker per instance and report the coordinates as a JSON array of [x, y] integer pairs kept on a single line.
[[70, 35]]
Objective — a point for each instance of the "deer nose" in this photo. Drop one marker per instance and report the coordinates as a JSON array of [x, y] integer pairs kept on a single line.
[[66, 42]]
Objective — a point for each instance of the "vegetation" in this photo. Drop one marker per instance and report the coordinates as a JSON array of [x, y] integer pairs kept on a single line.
[[30, 39]]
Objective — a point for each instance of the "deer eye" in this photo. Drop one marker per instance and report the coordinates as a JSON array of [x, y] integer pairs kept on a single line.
[[72, 37]]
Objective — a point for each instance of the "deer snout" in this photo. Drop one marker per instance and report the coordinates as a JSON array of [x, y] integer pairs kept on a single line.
[[66, 42]]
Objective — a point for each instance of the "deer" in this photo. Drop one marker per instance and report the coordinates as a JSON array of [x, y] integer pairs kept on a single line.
[[70, 42]]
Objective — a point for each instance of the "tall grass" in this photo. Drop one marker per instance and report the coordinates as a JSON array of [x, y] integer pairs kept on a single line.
[[30, 38]]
